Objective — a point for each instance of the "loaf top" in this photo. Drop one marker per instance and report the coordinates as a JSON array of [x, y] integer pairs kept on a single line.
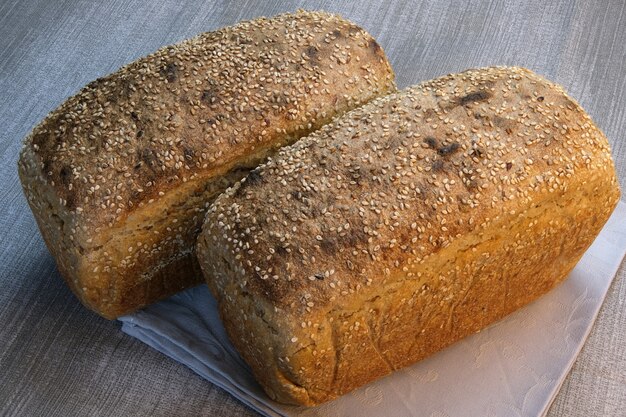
[[190, 109], [393, 182]]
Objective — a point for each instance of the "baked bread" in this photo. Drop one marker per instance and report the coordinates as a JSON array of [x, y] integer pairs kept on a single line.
[[403, 226], [119, 176]]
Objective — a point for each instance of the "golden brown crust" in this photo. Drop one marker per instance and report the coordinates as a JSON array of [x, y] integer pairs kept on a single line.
[[404, 225], [188, 120]]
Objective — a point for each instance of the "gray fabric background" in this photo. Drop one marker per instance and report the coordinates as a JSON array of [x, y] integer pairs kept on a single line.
[[58, 359]]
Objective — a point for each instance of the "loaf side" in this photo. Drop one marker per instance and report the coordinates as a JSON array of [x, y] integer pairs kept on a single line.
[[404, 226]]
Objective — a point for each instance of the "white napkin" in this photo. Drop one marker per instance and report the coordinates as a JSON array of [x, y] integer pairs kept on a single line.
[[513, 368]]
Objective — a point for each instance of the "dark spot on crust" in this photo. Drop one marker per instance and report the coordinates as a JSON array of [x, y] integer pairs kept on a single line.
[[374, 46], [300, 195], [280, 250], [146, 156], [328, 246], [431, 142], [353, 239], [445, 150], [356, 175], [169, 71], [39, 139], [311, 52], [208, 95], [70, 200], [336, 33], [467, 180], [140, 133], [127, 89], [428, 113], [96, 83], [319, 276], [471, 184], [189, 153], [45, 166], [503, 123], [134, 116], [474, 97], [509, 165], [500, 121], [477, 152], [134, 196], [540, 98], [448, 149], [437, 165], [64, 174]]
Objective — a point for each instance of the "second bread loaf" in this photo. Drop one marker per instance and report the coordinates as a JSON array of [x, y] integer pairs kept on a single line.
[[404, 226]]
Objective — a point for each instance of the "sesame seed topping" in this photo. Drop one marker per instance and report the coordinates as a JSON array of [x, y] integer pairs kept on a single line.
[[165, 119]]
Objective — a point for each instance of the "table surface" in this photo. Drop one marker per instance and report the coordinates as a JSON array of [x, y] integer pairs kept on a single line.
[[58, 359]]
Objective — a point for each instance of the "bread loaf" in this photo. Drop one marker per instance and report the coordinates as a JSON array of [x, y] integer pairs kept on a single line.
[[403, 226], [120, 175]]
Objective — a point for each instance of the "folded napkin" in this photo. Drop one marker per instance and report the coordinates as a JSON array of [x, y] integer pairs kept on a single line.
[[513, 368]]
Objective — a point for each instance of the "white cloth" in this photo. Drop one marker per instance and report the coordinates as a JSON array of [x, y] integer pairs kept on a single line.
[[513, 368]]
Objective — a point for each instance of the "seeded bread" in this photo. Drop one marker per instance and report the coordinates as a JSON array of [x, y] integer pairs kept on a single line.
[[403, 226], [120, 175]]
